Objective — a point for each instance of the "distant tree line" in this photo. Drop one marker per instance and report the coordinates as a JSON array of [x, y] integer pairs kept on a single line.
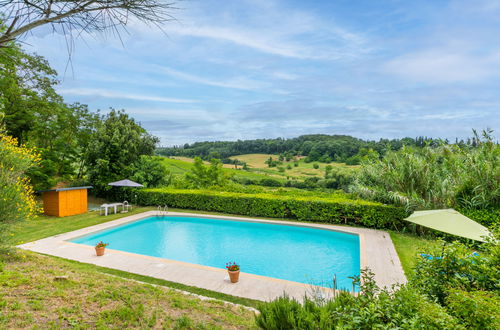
[[317, 147]]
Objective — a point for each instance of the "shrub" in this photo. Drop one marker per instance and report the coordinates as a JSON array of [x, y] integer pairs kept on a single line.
[[439, 176], [454, 266], [487, 217], [338, 209], [244, 181], [374, 308], [201, 176], [476, 309], [268, 182], [17, 201], [316, 166], [339, 178], [151, 172]]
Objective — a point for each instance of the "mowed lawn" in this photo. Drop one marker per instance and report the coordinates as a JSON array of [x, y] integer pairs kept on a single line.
[[409, 247], [32, 296], [98, 297]]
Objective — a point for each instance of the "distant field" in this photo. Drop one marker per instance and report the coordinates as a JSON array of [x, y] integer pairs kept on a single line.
[[258, 169], [257, 164], [191, 160], [181, 165]]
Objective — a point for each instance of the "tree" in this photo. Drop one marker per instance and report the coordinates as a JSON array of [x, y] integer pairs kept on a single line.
[[202, 176], [151, 172], [116, 146], [32, 112], [26, 90], [22, 16]]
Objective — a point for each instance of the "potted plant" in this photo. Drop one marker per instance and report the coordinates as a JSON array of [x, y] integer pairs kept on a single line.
[[234, 271], [100, 247]]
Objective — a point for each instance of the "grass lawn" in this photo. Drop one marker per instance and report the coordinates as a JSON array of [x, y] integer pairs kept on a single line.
[[31, 296], [408, 247], [45, 226]]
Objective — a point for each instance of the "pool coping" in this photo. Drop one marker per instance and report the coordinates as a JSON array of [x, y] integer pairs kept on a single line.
[[377, 252]]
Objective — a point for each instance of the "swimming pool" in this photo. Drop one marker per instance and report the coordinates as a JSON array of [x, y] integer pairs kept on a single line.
[[294, 253]]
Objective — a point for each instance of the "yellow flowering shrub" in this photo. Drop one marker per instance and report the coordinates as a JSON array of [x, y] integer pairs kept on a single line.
[[17, 201]]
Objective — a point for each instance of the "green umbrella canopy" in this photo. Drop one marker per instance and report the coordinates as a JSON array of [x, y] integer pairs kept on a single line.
[[451, 222]]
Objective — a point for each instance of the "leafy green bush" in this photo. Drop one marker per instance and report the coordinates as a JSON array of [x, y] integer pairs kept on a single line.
[[202, 176], [489, 217], [476, 309], [269, 182], [17, 201], [435, 176], [454, 266], [339, 177], [338, 209], [151, 172], [374, 308]]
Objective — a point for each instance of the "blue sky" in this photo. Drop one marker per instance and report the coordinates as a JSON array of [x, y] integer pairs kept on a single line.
[[265, 68]]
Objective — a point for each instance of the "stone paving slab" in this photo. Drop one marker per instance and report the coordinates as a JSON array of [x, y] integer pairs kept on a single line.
[[376, 252]]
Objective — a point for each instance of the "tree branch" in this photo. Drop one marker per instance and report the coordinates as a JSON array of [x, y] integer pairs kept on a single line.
[[30, 14]]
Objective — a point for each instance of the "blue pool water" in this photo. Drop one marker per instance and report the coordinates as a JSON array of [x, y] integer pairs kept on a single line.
[[299, 254]]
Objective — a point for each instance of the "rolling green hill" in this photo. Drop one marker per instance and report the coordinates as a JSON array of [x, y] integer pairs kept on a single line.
[[258, 169], [181, 167]]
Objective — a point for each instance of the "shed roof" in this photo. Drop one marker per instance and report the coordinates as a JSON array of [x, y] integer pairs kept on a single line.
[[63, 189]]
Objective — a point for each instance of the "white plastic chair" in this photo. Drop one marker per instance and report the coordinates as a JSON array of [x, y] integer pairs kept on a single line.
[[126, 207]]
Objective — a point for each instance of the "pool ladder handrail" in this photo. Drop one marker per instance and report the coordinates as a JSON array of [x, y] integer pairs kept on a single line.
[[164, 211]]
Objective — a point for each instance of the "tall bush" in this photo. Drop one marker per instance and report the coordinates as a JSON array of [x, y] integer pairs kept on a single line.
[[17, 201], [435, 176], [202, 176]]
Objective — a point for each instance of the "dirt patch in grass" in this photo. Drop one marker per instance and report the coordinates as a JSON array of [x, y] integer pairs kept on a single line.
[[31, 295]]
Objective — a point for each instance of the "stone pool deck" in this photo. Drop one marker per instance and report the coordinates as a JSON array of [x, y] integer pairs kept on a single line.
[[376, 252]]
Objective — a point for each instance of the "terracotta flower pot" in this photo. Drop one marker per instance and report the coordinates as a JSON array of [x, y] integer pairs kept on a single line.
[[100, 250], [234, 275]]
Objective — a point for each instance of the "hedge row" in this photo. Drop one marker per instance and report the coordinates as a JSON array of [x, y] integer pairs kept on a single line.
[[487, 217], [332, 210]]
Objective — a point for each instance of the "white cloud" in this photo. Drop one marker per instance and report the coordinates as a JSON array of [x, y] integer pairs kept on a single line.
[[446, 65], [236, 83], [256, 41], [121, 95]]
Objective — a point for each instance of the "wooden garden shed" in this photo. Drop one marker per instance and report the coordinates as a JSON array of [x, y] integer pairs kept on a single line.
[[62, 202]]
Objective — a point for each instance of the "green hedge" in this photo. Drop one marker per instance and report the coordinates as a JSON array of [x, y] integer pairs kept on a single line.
[[487, 217], [332, 210]]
